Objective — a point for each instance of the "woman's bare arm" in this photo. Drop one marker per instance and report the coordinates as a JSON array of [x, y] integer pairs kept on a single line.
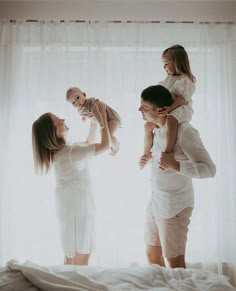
[[104, 145]]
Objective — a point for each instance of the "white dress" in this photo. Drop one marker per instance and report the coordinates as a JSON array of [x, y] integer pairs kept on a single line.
[[181, 86], [75, 203]]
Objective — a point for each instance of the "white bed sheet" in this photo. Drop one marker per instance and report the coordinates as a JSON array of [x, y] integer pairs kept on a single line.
[[145, 277]]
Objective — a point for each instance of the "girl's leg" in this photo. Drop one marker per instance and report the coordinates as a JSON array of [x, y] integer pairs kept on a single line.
[[81, 259], [171, 133], [115, 145]]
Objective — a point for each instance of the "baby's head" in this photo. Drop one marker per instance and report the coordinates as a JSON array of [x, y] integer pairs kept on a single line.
[[76, 97]]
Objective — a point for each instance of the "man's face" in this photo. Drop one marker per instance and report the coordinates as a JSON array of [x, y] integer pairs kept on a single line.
[[149, 111]]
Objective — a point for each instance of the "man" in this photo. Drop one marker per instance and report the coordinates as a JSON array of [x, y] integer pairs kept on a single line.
[[170, 207]]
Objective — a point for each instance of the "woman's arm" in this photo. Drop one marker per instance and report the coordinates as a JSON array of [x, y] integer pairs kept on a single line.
[[104, 145], [97, 114], [92, 132]]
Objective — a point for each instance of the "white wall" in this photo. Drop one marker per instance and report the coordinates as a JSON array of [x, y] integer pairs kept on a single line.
[[135, 10]]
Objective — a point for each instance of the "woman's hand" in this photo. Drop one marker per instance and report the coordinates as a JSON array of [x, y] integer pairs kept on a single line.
[[105, 138]]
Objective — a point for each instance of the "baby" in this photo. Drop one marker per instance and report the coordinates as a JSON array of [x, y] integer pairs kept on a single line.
[[88, 108]]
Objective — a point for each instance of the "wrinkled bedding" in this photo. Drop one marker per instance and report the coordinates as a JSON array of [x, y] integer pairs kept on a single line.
[[31, 277]]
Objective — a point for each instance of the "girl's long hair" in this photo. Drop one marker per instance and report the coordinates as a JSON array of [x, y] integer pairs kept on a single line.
[[179, 57], [45, 142]]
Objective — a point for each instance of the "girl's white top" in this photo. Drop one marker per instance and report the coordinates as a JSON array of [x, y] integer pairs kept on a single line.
[[181, 86]]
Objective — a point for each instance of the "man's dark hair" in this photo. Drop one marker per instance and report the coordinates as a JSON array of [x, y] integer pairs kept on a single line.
[[157, 95]]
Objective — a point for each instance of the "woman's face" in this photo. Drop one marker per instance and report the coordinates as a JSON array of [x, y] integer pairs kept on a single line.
[[169, 65], [59, 124]]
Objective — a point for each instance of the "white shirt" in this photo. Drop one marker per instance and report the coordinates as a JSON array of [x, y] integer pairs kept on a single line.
[[73, 183], [173, 191]]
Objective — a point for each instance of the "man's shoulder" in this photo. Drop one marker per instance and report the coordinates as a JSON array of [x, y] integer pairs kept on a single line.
[[186, 127]]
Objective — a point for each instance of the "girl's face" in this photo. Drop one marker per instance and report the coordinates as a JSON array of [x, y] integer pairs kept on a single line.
[[77, 99], [169, 65], [59, 124]]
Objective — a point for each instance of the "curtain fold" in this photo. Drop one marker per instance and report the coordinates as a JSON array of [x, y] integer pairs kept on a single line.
[[114, 62]]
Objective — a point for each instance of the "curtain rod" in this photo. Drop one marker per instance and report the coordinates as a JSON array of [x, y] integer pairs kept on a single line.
[[124, 21]]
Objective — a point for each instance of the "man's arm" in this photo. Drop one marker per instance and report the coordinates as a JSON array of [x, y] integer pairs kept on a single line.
[[198, 164]]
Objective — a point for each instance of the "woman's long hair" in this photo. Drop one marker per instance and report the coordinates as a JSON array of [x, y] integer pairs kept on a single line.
[[179, 57], [45, 142]]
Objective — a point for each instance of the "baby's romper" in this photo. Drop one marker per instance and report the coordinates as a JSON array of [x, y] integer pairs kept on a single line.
[[88, 106]]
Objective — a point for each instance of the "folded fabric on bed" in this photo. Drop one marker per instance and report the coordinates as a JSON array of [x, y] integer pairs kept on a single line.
[[145, 277]]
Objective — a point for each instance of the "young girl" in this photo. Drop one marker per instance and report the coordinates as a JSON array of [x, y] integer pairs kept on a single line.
[[181, 83], [75, 206], [88, 107]]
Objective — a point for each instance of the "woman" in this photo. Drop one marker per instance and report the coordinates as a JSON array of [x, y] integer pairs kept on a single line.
[[75, 206]]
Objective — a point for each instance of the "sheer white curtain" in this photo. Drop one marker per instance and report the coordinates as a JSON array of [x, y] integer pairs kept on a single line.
[[114, 62]]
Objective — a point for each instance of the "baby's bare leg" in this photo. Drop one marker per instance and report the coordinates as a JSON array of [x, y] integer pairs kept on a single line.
[[115, 145], [171, 133]]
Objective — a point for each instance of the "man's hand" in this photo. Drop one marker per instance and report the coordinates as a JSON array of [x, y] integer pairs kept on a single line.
[[144, 160], [168, 162]]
